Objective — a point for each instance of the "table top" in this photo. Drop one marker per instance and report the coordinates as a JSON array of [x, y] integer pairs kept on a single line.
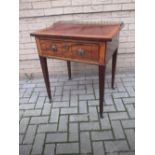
[[78, 30]]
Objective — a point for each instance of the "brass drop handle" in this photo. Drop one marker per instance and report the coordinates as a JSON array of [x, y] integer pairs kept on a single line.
[[66, 46], [80, 52], [53, 48]]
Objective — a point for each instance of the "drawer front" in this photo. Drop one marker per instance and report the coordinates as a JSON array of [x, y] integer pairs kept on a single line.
[[50, 47], [78, 51], [88, 52]]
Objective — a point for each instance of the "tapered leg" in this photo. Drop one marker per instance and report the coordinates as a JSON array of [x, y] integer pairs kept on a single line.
[[114, 60], [44, 67], [101, 87], [69, 69]]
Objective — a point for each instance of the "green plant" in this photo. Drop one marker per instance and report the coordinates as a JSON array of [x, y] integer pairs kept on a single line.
[[28, 76]]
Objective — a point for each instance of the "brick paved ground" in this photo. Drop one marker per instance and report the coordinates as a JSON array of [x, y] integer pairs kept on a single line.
[[71, 123]]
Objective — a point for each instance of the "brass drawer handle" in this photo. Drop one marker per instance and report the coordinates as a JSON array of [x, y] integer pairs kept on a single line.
[[53, 48], [66, 46], [81, 52]]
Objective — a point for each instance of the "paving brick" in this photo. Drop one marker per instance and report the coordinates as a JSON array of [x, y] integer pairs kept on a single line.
[[74, 100], [26, 106], [23, 100], [128, 123], [89, 89], [118, 115], [102, 135], [105, 123], [78, 92], [109, 91], [119, 105], [114, 153], [120, 95], [67, 148], [32, 112], [81, 87], [38, 144], [131, 110], [73, 132], [129, 84], [120, 87], [83, 107], [130, 91], [93, 102], [71, 83], [58, 91], [21, 92], [98, 148], [128, 79], [60, 104], [47, 100], [21, 137], [30, 134], [47, 128], [79, 118], [63, 123], [46, 109], [93, 114], [34, 97], [57, 98], [96, 91], [40, 102], [131, 138], [127, 153], [129, 100], [28, 85], [86, 97], [109, 108], [49, 149], [85, 144], [39, 120], [23, 125], [117, 129], [54, 115], [43, 94], [56, 137], [89, 126], [114, 146], [68, 110], [66, 97], [28, 92], [25, 149], [21, 112], [108, 99]]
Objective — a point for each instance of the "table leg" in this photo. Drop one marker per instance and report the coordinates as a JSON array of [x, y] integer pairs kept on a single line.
[[69, 69], [43, 62], [114, 60], [101, 87]]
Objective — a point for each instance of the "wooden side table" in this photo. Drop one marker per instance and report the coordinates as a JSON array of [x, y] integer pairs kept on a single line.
[[79, 42]]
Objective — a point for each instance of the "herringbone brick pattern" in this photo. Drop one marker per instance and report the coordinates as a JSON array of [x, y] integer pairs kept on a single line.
[[71, 123]]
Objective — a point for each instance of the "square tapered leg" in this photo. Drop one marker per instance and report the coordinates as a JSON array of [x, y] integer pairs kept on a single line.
[[69, 69], [43, 62], [101, 87], [114, 61]]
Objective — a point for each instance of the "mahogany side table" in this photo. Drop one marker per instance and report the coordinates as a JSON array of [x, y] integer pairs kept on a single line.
[[90, 43]]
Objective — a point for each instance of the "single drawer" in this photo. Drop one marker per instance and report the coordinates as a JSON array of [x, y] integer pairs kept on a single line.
[[50, 47], [55, 48], [84, 51]]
